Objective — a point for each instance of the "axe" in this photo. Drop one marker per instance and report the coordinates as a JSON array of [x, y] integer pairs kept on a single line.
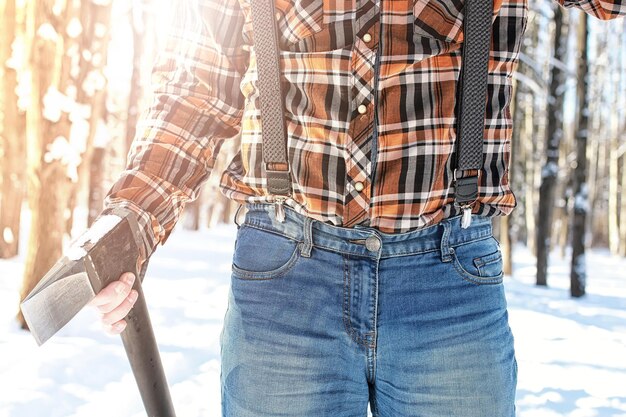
[[99, 256]]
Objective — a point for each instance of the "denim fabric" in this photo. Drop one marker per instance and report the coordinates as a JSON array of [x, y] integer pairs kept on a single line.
[[323, 320]]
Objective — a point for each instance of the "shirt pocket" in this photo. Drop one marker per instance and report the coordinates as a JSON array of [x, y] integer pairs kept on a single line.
[[442, 20], [315, 25], [299, 19]]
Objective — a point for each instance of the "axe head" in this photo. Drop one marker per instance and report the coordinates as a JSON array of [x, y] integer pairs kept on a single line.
[[99, 256]]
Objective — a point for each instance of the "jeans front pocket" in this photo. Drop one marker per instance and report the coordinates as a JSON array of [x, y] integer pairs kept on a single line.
[[262, 254], [479, 261]]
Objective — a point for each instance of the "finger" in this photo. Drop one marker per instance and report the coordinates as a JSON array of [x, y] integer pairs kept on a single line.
[[115, 328], [113, 294], [121, 310]]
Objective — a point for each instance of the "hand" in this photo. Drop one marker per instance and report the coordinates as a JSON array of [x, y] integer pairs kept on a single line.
[[114, 302]]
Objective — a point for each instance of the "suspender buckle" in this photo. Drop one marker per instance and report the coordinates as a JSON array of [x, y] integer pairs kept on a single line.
[[466, 194], [279, 187]]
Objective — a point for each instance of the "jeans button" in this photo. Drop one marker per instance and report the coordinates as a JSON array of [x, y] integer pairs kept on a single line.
[[372, 243]]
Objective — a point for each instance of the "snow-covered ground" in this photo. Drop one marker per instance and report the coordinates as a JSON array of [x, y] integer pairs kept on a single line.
[[571, 353]]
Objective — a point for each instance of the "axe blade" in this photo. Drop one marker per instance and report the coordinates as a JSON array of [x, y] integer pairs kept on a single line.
[[50, 308], [73, 281]]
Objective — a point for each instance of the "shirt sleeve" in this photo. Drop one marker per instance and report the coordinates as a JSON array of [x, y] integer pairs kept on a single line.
[[196, 104], [602, 9]]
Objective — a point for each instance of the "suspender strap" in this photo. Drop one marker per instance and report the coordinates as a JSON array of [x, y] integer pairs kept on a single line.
[[270, 98], [473, 94], [472, 91]]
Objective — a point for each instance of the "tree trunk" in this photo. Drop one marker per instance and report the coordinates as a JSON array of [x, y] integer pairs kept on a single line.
[[615, 131], [12, 150], [578, 274], [622, 219], [505, 245], [91, 92], [529, 177], [48, 182], [96, 181], [137, 20], [507, 222], [599, 150], [549, 173], [192, 214], [220, 209], [613, 224], [622, 212]]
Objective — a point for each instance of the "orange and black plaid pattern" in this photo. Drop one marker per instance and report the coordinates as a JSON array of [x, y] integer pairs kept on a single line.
[[370, 98]]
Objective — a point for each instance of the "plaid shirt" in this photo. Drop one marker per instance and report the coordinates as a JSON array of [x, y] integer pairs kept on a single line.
[[370, 97]]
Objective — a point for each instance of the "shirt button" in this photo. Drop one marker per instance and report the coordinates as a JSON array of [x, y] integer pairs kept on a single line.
[[372, 243], [358, 186], [367, 37], [362, 109], [277, 15]]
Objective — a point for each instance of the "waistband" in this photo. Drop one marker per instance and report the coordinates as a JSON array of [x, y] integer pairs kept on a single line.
[[364, 240]]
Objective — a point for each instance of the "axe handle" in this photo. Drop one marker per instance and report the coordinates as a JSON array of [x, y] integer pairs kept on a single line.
[[145, 361]]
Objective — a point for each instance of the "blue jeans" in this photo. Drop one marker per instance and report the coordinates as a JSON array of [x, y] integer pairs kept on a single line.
[[323, 320]]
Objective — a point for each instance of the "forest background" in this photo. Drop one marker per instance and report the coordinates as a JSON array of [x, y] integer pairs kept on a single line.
[[75, 77]]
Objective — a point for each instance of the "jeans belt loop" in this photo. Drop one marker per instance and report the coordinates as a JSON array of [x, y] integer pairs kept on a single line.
[[307, 245], [446, 255]]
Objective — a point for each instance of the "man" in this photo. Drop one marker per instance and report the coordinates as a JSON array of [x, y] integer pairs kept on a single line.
[[362, 287]]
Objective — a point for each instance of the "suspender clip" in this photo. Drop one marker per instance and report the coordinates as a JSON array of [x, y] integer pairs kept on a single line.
[[279, 208], [466, 193]]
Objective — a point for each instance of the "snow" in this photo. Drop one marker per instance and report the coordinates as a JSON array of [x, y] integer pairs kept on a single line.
[[100, 30], [551, 169], [54, 103], [71, 91], [580, 268], [561, 89], [101, 227], [581, 199], [61, 149], [67, 151], [7, 235], [57, 8], [47, 32], [74, 253], [73, 51], [96, 59], [102, 136], [74, 28], [18, 54], [94, 81], [78, 134], [23, 91], [570, 352], [87, 55]]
